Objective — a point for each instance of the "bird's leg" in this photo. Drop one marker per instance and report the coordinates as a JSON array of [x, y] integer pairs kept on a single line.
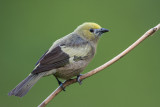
[[60, 84], [78, 79]]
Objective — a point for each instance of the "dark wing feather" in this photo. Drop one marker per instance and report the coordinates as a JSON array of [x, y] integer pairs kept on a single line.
[[52, 60]]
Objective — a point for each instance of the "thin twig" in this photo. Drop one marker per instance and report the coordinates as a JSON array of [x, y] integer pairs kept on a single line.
[[69, 82]]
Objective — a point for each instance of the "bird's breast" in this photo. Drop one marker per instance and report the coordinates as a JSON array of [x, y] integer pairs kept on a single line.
[[71, 70]]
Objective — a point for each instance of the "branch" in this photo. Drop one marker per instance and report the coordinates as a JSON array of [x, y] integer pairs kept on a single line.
[[69, 82]]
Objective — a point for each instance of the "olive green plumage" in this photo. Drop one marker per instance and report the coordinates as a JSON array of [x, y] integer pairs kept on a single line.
[[66, 58]]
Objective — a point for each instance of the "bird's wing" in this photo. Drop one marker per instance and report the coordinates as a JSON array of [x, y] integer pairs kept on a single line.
[[61, 55], [51, 60]]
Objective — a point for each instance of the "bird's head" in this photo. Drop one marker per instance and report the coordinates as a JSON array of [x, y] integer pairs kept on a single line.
[[90, 31]]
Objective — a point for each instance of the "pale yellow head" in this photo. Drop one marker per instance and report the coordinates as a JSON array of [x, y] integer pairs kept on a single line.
[[90, 30]]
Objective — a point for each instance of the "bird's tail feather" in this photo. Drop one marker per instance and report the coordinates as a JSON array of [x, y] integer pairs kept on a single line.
[[22, 88]]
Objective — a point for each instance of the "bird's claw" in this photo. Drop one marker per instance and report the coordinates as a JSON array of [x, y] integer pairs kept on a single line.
[[61, 85], [78, 79]]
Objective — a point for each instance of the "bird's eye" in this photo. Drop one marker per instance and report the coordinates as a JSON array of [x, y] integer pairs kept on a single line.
[[91, 30]]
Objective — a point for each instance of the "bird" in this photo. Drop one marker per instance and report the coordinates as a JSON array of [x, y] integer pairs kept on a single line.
[[66, 58]]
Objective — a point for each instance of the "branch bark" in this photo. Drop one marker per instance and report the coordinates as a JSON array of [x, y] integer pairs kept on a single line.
[[69, 82]]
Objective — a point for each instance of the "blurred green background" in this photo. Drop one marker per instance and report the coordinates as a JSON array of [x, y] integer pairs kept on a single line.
[[28, 28]]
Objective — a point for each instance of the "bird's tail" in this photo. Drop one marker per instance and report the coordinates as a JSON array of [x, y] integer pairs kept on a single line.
[[22, 88]]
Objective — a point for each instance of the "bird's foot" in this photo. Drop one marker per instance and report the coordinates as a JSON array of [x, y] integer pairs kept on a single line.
[[78, 79], [61, 85]]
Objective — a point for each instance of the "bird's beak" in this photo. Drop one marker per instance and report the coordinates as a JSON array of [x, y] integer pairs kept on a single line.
[[103, 30], [100, 31]]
